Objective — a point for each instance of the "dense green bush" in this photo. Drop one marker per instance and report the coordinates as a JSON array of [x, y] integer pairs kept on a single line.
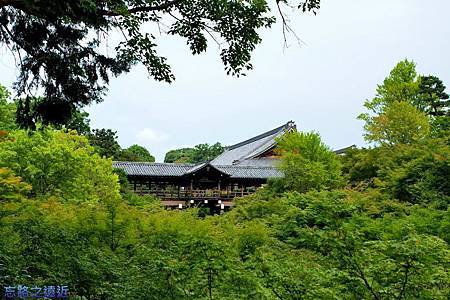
[[307, 163], [59, 163]]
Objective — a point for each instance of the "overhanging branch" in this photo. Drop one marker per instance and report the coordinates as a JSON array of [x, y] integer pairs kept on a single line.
[[137, 9]]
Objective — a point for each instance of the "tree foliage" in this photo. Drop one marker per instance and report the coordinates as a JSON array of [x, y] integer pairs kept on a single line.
[[182, 155], [307, 163], [400, 123], [384, 235], [200, 153], [434, 101], [432, 97], [59, 164], [7, 110], [407, 107], [416, 173], [12, 188], [79, 122], [135, 153], [402, 85], [105, 142], [206, 152], [59, 43]]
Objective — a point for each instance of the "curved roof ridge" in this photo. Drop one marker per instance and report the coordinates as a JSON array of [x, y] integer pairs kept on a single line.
[[245, 167], [154, 163], [262, 135], [247, 149]]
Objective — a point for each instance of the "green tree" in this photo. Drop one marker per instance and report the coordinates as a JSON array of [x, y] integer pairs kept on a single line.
[[206, 152], [200, 153], [33, 112], [7, 110], [12, 188], [79, 121], [105, 142], [432, 98], [402, 84], [434, 101], [349, 245], [440, 126], [307, 163], [414, 173], [135, 153], [400, 122], [61, 54], [417, 173], [60, 164], [394, 113], [183, 155]]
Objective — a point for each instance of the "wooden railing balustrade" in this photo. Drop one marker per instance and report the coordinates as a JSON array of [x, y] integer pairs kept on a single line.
[[208, 194]]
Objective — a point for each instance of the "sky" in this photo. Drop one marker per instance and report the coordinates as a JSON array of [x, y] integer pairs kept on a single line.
[[347, 49]]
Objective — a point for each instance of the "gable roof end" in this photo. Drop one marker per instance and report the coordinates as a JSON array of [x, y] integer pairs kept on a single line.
[[252, 147]]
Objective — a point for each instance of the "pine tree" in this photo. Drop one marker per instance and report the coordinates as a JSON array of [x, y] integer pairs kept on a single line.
[[433, 99]]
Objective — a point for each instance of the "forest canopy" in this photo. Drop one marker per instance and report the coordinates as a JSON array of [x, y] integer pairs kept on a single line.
[[200, 153], [373, 223]]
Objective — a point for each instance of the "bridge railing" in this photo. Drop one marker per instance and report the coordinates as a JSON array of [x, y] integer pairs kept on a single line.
[[195, 194]]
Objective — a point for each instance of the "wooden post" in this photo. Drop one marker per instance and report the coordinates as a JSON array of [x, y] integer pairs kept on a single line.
[[242, 190]]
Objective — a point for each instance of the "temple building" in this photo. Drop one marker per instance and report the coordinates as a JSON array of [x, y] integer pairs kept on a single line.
[[240, 170]]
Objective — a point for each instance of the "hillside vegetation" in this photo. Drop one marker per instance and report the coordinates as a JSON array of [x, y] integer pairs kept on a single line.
[[371, 224]]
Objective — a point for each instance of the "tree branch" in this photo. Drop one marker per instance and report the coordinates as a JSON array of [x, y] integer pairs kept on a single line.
[[405, 281], [137, 9], [286, 27], [361, 274]]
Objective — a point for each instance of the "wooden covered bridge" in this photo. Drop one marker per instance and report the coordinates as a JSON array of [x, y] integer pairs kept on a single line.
[[184, 185], [240, 170]]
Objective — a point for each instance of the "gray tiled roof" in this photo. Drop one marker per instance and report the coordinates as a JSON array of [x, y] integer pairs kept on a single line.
[[344, 150], [196, 167], [178, 170], [238, 161], [260, 162], [152, 169], [251, 148], [251, 172]]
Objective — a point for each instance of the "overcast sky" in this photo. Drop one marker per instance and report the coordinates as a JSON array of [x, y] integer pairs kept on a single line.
[[349, 47]]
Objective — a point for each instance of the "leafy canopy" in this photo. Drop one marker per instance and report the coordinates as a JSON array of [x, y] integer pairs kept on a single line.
[[182, 155], [12, 188], [407, 107], [135, 153], [105, 142], [200, 153], [307, 163], [7, 110], [402, 84], [415, 173], [400, 123], [59, 44], [385, 235], [432, 97], [61, 164]]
